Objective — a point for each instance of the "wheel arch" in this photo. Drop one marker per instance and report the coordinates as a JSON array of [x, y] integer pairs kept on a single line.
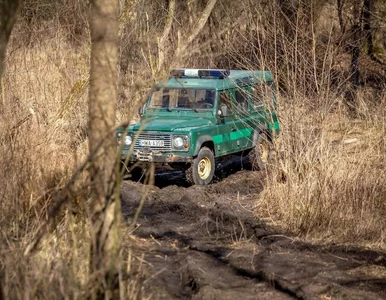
[[204, 141], [260, 130]]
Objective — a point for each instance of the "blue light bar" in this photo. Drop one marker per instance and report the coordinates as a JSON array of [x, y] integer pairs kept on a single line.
[[213, 73]]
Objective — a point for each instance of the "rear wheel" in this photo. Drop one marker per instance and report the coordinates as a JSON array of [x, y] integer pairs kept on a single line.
[[201, 170], [260, 155]]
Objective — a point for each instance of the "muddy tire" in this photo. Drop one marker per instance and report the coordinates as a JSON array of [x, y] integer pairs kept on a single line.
[[201, 170], [260, 156]]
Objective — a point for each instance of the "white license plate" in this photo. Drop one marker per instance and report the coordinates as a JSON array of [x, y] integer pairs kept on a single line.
[[151, 143]]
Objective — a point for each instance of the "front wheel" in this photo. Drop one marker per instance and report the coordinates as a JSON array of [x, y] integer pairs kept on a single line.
[[202, 169]]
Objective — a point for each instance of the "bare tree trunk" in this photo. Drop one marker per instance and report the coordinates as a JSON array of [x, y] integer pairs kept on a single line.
[[355, 53], [340, 16], [8, 14], [165, 34], [104, 204], [367, 27]]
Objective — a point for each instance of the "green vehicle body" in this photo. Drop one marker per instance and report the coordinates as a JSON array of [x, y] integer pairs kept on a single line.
[[229, 130]]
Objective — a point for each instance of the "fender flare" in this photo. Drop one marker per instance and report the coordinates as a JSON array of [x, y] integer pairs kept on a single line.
[[259, 130], [201, 140]]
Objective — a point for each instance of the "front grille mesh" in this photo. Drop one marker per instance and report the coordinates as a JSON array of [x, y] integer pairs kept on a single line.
[[167, 138]]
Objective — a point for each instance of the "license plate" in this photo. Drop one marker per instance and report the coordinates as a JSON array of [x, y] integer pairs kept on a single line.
[[151, 143]]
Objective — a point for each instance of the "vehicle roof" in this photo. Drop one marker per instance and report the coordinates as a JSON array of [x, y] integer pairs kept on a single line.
[[236, 77]]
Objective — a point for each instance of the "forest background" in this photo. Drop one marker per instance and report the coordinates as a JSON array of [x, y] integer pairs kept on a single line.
[[329, 63]]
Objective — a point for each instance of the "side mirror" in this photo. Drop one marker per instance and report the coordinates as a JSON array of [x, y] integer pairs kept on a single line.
[[140, 111]]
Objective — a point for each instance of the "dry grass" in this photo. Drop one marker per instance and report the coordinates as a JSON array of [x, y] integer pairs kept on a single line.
[[38, 152], [331, 181], [57, 270], [334, 186], [43, 140], [39, 149]]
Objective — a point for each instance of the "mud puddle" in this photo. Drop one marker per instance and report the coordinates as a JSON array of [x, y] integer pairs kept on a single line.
[[205, 243]]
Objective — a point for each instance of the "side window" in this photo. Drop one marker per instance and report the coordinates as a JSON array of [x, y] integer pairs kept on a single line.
[[270, 96], [262, 94], [226, 100], [242, 100], [257, 96]]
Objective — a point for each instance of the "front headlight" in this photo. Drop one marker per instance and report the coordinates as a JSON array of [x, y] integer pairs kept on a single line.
[[181, 143], [178, 142], [128, 140]]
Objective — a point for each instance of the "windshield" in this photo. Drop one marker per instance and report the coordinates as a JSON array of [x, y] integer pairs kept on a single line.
[[183, 98]]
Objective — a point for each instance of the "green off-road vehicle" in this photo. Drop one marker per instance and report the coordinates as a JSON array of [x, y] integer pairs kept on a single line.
[[199, 116]]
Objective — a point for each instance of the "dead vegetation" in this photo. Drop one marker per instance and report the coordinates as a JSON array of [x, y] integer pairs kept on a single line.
[[329, 183], [329, 180]]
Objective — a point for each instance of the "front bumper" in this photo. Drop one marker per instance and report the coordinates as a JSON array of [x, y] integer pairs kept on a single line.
[[155, 157]]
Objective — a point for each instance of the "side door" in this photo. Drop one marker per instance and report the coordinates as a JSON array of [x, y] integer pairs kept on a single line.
[[242, 137], [225, 124]]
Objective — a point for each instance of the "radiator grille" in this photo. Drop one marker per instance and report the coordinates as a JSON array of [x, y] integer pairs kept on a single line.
[[166, 138]]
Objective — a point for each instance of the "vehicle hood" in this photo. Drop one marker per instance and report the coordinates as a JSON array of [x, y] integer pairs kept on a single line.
[[169, 124]]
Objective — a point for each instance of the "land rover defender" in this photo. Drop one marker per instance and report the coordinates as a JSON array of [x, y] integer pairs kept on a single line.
[[198, 116]]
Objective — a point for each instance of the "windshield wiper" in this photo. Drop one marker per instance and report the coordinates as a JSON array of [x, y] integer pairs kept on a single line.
[[192, 107]]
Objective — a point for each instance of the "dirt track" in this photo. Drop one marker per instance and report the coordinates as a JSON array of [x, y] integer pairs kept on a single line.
[[205, 243]]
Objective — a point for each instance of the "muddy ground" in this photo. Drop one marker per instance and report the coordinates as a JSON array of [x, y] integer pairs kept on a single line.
[[206, 243]]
